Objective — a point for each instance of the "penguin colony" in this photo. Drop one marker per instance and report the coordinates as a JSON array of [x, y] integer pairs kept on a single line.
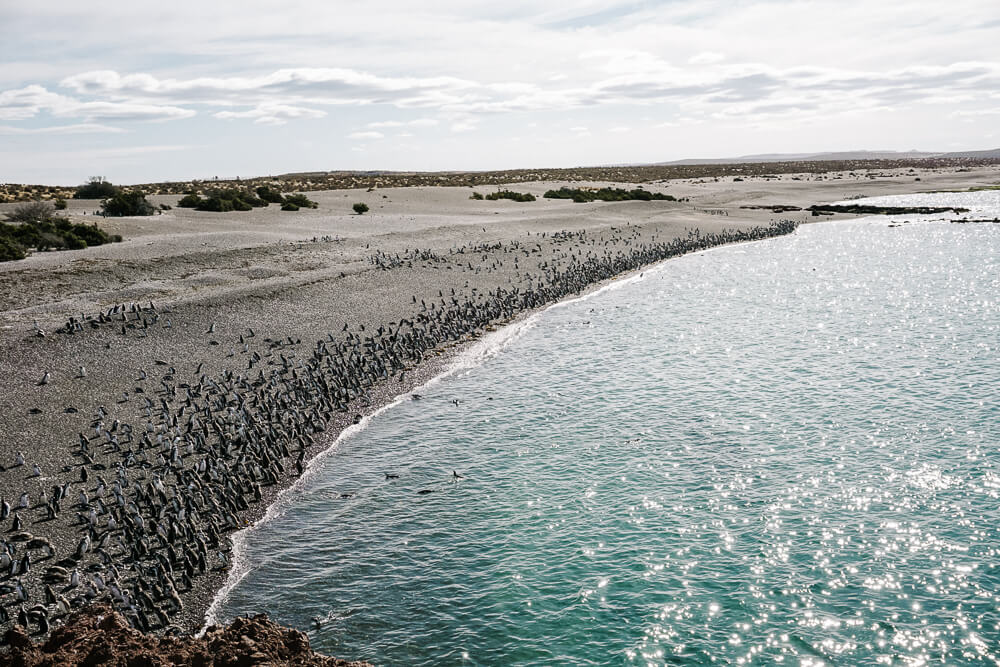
[[152, 502]]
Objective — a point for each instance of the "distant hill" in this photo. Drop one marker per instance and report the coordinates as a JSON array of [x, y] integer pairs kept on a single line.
[[987, 155], [839, 156]]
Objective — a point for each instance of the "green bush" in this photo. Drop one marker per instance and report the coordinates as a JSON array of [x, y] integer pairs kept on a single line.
[[96, 188], [301, 200], [93, 236], [54, 233], [216, 204], [289, 206], [127, 203], [360, 208], [31, 212], [581, 195], [60, 204], [509, 194], [50, 241], [73, 242], [10, 249], [270, 195], [221, 201], [476, 196]]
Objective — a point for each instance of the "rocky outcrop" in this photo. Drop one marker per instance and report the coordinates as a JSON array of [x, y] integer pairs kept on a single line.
[[98, 635]]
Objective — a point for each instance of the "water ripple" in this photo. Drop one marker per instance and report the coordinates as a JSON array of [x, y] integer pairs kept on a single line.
[[785, 451]]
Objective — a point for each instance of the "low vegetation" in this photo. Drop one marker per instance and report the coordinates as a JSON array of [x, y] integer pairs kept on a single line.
[[35, 211], [36, 227], [124, 203], [300, 200], [339, 180], [241, 199], [510, 194], [270, 195], [871, 209], [96, 188], [581, 195], [360, 208]]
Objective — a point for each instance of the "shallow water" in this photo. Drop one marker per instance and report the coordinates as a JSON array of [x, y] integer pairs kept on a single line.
[[781, 451]]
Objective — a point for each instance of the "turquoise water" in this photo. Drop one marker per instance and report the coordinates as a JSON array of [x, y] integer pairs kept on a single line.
[[784, 451]]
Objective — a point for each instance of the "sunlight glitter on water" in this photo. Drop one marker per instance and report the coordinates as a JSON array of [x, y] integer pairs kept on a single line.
[[785, 451]]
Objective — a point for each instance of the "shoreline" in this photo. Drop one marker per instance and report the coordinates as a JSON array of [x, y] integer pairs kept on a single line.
[[111, 373], [431, 373], [441, 370]]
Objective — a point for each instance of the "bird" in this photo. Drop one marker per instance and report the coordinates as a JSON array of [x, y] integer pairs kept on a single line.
[[391, 476], [45, 378], [455, 475]]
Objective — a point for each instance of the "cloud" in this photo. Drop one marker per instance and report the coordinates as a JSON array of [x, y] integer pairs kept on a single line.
[[125, 111], [630, 78], [706, 58], [418, 122], [396, 67], [467, 125], [79, 128], [329, 83], [30, 101], [272, 114], [363, 136]]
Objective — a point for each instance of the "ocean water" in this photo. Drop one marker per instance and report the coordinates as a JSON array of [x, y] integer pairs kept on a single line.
[[779, 452]]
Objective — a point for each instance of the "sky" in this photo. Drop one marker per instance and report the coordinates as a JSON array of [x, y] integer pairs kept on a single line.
[[139, 91]]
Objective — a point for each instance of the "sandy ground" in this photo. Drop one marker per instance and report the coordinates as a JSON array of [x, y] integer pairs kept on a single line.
[[223, 284]]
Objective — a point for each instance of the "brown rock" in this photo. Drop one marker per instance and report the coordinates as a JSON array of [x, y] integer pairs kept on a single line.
[[97, 635]]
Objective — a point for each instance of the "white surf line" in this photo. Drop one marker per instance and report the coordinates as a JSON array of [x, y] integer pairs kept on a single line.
[[475, 355]]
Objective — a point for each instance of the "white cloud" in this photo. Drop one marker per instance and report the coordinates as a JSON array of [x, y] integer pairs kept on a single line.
[[706, 58], [30, 101], [712, 66], [323, 82], [362, 136], [418, 122], [79, 128], [272, 114]]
